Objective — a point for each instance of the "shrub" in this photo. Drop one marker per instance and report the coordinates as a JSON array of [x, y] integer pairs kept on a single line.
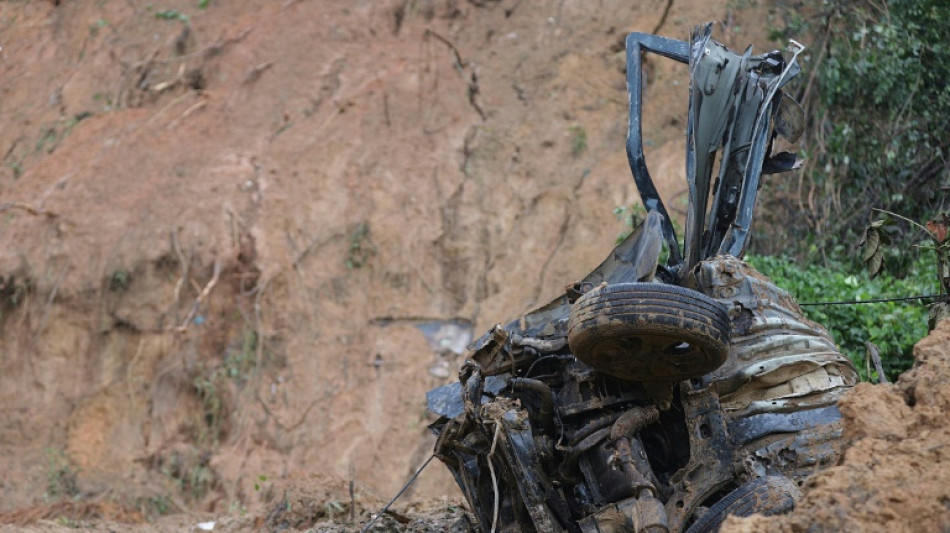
[[878, 108], [893, 326]]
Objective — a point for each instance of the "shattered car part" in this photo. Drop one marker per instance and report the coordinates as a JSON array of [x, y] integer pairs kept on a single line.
[[733, 103], [653, 397]]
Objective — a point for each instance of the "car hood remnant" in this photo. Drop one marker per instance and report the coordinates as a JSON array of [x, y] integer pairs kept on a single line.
[[658, 398]]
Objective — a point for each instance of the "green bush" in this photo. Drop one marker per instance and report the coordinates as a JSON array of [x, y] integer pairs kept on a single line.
[[893, 326], [877, 99]]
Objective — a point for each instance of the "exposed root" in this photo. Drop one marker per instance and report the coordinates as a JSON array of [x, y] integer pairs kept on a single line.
[[7, 206], [494, 480], [194, 107], [183, 265], [201, 296]]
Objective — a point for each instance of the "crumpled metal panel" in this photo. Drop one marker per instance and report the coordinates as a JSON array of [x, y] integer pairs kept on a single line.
[[750, 428], [779, 360], [797, 455], [447, 400]]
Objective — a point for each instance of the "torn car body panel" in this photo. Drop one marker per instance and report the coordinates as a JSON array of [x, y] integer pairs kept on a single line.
[[654, 397], [778, 358]]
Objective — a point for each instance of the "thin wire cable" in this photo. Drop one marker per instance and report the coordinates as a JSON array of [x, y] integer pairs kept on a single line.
[[396, 497], [878, 300]]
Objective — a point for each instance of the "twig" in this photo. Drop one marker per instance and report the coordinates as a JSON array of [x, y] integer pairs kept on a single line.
[[11, 148], [283, 426], [386, 115], [396, 497], [26, 207], [815, 68], [194, 107], [183, 265], [235, 239], [259, 353], [201, 296], [314, 243], [128, 372], [163, 86], [162, 111], [511, 10], [875, 300], [910, 98], [255, 72], [905, 219], [208, 51], [875, 355], [195, 286], [460, 64], [49, 305], [666, 12]]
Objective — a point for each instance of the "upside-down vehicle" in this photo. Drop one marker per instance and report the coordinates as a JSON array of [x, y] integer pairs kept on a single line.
[[659, 395]]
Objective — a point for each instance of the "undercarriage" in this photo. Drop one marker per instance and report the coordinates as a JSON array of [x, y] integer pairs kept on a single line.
[[658, 393]]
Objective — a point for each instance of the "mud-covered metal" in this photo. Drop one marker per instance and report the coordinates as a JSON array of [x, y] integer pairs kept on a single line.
[[648, 397], [779, 360], [736, 106]]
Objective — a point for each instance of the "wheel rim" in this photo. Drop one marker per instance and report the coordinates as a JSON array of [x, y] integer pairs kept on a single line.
[[649, 357]]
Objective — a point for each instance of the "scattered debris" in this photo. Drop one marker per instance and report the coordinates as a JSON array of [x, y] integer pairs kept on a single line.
[[447, 336]]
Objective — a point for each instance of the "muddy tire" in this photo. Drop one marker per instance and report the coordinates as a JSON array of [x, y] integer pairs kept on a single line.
[[768, 495], [649, 331]]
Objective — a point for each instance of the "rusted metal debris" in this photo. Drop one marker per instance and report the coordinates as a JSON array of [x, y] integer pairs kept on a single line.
[[658, 397]]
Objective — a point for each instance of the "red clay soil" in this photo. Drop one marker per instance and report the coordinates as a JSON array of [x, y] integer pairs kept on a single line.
[[221, 228]]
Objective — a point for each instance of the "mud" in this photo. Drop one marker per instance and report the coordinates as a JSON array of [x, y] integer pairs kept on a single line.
[[222, 229]]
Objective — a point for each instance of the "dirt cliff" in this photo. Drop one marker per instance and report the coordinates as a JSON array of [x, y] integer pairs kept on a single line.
[[240, 240], [227, 226]]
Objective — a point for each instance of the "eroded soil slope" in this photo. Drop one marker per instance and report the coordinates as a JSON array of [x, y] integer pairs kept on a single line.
[[238, 243]]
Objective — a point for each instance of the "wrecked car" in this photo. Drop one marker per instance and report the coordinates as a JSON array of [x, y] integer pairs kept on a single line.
[[671, 387]]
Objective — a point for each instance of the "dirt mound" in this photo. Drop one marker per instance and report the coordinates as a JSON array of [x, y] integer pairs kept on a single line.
[[895, 475]]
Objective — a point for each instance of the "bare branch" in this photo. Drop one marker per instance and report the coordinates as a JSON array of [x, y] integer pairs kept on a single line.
[[201, 296]]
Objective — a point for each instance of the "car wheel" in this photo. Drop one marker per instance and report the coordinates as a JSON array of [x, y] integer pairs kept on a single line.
[[649, 331], [769, 495]]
